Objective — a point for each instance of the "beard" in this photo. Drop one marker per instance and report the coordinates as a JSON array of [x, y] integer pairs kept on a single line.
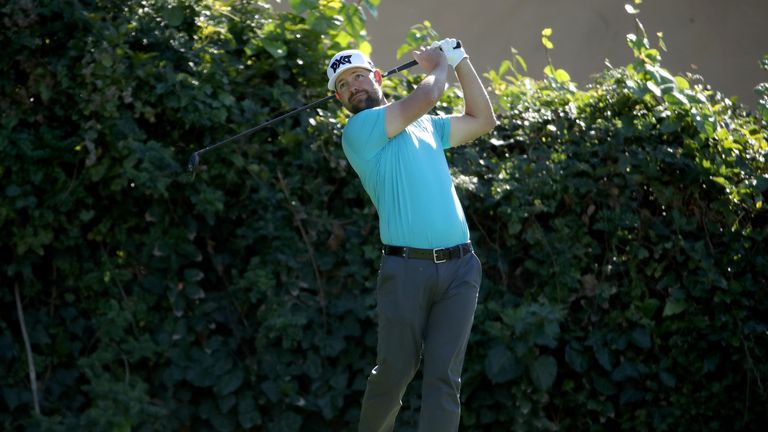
[[363, 103]]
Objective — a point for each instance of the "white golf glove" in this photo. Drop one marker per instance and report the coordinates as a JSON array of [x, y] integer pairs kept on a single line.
[[454, 55]]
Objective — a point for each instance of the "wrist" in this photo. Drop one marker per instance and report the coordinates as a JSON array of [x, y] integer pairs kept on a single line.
[[456, 57], [442, 62], [462, 62]]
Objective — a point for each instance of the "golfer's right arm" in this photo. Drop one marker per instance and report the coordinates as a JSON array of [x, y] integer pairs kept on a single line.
[[424, 97]]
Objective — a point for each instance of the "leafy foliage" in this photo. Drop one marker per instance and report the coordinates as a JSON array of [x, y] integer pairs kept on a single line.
[[762, 91], [622, 229], [155, 301]]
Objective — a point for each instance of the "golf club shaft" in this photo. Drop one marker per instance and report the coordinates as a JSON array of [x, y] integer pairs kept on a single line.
[[267, 123], [195, 157], [401, 68]]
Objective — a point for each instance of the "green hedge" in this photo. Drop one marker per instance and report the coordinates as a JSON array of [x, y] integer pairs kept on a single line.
[[622, 228], [624, 232]]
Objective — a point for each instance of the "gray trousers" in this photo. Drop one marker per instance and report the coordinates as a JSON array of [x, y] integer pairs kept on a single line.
[[423, 308]]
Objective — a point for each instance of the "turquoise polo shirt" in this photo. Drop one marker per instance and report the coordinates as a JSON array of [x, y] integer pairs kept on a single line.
[[407, 178]]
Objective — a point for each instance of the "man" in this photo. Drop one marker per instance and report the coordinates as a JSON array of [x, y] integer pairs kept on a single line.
[[429, 276]]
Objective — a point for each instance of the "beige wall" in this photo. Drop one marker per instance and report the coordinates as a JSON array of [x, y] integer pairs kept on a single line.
[[722, 40]]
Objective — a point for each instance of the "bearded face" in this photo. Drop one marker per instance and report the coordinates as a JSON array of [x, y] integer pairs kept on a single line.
[[362, 100], [359, 89]]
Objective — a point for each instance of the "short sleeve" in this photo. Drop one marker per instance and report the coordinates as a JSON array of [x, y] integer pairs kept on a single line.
[[365, 134], [442, 127]]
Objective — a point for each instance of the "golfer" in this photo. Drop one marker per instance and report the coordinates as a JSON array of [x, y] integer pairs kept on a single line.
[[429, 276]]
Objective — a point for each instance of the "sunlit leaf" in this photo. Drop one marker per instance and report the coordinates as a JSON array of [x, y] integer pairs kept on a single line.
[[365, 47], [653, 88], [562, 76], [505, 65], [682, 83], [522, 62], [631, 9]]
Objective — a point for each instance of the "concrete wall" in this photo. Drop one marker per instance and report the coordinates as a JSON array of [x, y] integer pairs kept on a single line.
[[722, 40]]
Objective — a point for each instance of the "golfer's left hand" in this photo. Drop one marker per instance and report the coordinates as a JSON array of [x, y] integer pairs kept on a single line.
[[454, 55]]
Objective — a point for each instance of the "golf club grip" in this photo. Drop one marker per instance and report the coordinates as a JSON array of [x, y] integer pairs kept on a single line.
[[410, 64]]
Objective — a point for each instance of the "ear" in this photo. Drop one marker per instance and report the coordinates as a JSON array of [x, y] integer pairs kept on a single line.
[[377, 76], [338, 95]]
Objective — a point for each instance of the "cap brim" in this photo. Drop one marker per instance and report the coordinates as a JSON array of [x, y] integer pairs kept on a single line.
[[332, 81]]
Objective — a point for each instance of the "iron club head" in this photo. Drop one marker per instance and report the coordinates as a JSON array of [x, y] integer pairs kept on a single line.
[[194, 160]]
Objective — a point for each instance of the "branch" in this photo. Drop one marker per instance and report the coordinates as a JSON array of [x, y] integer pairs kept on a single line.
[[540, 231], [297, 221], [30, 360], [479, 226]]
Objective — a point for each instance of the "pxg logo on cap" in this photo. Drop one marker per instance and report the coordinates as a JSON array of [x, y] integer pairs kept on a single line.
[[345, 60], [339, 61]]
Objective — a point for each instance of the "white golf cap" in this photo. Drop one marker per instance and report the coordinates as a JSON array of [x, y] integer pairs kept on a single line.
[[345, 60]]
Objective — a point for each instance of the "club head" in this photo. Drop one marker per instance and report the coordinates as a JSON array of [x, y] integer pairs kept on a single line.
[[194, 160]]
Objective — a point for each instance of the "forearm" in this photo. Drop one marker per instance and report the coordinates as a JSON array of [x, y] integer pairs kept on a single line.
[[423, 98], [476, 101], [434, 83]]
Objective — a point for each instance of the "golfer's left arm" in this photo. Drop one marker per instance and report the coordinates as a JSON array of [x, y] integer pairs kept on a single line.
[[478, 118]]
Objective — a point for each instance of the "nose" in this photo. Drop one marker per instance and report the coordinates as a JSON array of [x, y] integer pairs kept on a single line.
[[355, 86], [354, 90]]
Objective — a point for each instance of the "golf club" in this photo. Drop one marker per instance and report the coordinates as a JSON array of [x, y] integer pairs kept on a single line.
[[194, 159]]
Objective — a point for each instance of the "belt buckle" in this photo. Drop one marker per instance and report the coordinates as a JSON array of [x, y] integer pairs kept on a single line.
[[434, 256]]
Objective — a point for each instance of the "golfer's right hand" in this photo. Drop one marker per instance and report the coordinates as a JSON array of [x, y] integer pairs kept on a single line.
[[429, 58]]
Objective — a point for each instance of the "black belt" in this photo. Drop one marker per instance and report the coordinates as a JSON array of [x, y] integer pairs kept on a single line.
[[435, 255]]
